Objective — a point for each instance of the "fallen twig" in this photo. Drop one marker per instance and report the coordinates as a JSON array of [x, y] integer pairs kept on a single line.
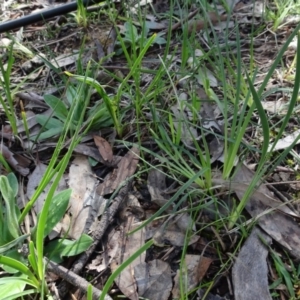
[[73, 278], [97, 235]]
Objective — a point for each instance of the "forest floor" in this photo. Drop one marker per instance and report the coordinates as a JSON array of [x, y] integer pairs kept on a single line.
[[150, 150]]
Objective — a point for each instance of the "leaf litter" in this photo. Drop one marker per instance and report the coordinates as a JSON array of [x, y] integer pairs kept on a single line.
[[101, 168], [251, 264]]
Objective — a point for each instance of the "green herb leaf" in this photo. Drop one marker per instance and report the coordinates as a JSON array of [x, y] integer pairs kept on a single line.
[[59, 108], [49, 123], [47, 134], [59, 248], [57, 209], [13, 182], [9, 198]]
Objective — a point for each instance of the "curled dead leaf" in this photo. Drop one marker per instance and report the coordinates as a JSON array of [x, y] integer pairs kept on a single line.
[[104, 148]]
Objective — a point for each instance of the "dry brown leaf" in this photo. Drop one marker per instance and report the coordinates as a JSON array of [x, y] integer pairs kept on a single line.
[[125, 169], [102, 261], [64, 60], [33, 182], [280, 226], [198, 25], [34, 101], [82, 200], [16, 161], [240, 184], [205, 74], [181, 112], [128, 245], [153, 279], [262, 196], [104, 148], [174, 231], [278, 107], [89, 151], [196, 268], [156, 184], [216, 149], [30, 122], [286, 141], [172, 234], [94, 153], [209, 113], [250, 270]]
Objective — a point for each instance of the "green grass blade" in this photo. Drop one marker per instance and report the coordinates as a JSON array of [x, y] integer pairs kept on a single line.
[[12, 244], [20, 267]]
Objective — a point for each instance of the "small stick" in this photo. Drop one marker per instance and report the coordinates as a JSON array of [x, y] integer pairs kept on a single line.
[[97, 235], [73, 278], [191, 15]]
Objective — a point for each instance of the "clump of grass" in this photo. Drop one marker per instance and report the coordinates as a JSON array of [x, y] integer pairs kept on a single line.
[[30, 271], [7, 100]]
